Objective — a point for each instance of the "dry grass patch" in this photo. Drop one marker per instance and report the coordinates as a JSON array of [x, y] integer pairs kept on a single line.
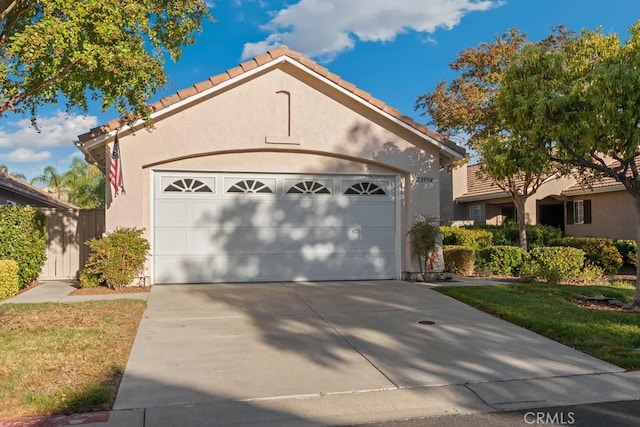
[[64, 358]]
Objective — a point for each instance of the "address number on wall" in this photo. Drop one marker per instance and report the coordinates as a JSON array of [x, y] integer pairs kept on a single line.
[[423, 179]]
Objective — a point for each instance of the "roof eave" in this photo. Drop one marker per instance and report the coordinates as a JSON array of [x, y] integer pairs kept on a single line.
[[89, 145]]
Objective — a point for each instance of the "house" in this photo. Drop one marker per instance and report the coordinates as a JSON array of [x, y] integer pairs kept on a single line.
[[14, 191], [602, 209], [275, 170]]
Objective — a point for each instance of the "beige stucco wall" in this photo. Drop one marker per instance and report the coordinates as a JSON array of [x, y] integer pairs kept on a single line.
[[241, 129], [612, 216]]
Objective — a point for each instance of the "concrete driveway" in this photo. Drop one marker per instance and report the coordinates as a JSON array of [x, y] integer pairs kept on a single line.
[[250, 342]]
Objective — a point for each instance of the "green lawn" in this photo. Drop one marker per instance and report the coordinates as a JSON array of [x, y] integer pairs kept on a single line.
[[64, 358], [547, 310]]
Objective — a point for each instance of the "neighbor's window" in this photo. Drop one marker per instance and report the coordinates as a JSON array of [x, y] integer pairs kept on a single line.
[[475, 213], [579, 212]]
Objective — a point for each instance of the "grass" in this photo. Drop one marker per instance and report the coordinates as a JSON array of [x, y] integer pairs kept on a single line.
[[64, 358], [546, 309]]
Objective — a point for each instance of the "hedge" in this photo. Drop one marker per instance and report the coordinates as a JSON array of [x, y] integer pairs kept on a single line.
[[8, 278], [460, 236], [503, 260], [600, 252], [459, 259], [554, 264], [509, 234], [23, 238], [628, 249]]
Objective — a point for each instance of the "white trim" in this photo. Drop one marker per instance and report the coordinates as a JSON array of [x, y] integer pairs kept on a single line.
[[152, 206], [465, 199], [398, 225], [247, 75]]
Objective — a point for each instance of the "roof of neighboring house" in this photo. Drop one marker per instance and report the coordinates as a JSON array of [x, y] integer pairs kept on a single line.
[[21, 188], [605, 183], [272, 56], [478, 185]]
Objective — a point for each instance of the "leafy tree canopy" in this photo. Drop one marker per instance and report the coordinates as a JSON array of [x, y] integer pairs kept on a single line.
[[108, 50], [467, 107], [581, 103]]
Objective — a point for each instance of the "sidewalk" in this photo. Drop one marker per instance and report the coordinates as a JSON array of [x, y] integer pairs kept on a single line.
[[59, 290]]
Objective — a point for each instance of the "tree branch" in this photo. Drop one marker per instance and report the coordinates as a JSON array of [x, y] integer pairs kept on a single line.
[[20, 97]]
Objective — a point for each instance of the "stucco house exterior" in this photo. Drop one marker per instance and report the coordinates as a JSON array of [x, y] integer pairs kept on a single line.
[[14, 191], [275, 170], [602, 209]]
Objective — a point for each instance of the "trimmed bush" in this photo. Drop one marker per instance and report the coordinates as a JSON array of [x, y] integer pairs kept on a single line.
[[600, 252], [459, 259], [503, 260], [8, 278], [116, 259], [628, 249], [423, 234], [461, 236], [554, 264], [505, 235], [23, 238]]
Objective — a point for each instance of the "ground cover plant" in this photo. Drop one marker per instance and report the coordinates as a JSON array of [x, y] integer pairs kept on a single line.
[[550, 310], [64, 358]]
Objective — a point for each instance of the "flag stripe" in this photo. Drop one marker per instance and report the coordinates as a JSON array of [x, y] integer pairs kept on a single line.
[[115, 169]]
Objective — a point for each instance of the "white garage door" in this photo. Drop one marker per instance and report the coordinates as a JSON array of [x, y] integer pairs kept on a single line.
[[267, 227]]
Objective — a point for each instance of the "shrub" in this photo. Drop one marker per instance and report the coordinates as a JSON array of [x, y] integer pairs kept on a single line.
[[460, 236], [554, 264], [117, 258], [9, 284], [628, 249], [508, 234], [506, 260], [23, 238], [423, 241], [459, 259], [600, 252], [592, 275], [90, 280]]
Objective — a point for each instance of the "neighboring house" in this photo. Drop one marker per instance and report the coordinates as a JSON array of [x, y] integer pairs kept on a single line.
[[603, 209], [14, 191], [275, 170]]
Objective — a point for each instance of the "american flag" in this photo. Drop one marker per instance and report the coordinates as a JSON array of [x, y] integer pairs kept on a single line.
[[115, 169]]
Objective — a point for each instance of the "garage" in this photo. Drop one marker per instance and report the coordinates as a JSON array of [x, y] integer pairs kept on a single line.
[[274, 170], [249, 227]]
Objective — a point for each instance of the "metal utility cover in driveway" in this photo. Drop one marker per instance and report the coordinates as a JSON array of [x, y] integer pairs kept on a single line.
[[200, 343]]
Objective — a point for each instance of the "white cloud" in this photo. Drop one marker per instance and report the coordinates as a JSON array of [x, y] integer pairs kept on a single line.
[[324, 28], [58, 130], [25, 155]]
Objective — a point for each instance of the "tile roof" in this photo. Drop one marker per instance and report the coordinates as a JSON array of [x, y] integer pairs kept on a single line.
[[601, 183], [478, 185], [17, 186], [257, 61]]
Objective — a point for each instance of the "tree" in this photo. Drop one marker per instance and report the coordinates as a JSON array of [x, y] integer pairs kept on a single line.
[[583, 98], [112, 50], [52, 180], [467, 107], [84, 184], [18, 175]]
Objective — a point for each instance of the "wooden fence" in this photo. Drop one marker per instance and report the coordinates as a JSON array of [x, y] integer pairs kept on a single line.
[[68, 230]]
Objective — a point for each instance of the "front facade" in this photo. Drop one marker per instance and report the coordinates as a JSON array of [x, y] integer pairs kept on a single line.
[[276, 170], [603, 209]]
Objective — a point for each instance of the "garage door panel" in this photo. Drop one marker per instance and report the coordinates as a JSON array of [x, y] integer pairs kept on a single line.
[[237, 268], [220, 236]]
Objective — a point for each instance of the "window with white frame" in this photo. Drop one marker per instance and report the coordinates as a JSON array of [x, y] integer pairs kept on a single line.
[[578, 212]]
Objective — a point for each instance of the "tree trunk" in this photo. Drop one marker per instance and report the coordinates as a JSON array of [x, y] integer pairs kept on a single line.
[[636, 297], [522, 223]]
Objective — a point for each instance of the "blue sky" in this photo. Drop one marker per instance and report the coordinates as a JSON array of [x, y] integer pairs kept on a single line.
[[396, 50]]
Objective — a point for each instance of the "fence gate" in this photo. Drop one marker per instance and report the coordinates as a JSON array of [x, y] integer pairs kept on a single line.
[[67, 231]]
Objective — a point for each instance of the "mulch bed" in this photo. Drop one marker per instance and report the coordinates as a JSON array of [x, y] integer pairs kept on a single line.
[[604, 304], [103, 290]]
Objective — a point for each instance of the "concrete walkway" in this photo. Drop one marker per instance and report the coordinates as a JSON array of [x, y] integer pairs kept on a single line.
[[59, 290], [336, 354]]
